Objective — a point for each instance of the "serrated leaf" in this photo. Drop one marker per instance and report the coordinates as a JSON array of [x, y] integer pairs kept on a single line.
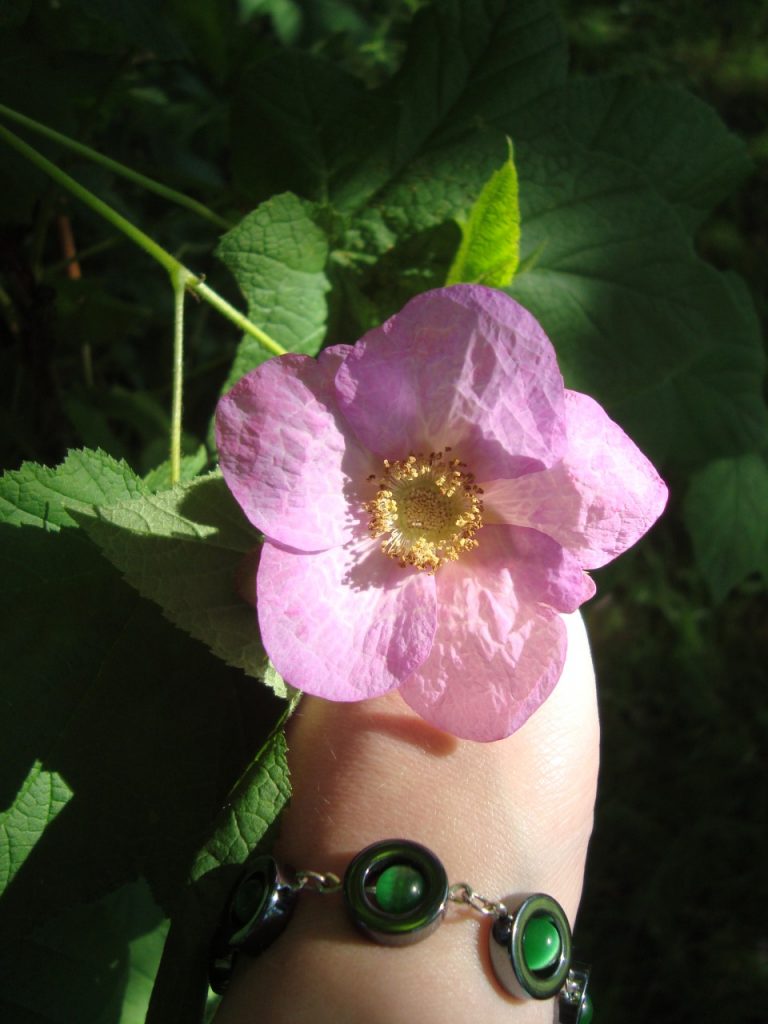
[[42, 796], [252, 808], [149, 731], [278, 255], [278, 685], [490, 246], [39, 496], [726, 514], [187, 550]]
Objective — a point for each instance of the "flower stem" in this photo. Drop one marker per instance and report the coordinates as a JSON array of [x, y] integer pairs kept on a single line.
[[149, 245], [179, 280], [229, 311], [182, 280], [117, 168]]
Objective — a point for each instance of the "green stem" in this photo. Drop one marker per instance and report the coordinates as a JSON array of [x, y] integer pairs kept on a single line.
[[236, 317], [117, 168], [149, 245], [179, 291]]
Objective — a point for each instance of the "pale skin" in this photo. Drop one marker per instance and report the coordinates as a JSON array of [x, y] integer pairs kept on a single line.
[[513, 816]]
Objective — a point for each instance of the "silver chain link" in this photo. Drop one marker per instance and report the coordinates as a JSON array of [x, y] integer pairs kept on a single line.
[[462, 892], [459, 892], [316, 881]]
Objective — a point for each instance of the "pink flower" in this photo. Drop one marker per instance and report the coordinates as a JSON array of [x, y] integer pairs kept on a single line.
[[430, 499]]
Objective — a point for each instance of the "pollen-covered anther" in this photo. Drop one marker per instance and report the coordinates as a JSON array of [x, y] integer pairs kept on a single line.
[[428, 508]]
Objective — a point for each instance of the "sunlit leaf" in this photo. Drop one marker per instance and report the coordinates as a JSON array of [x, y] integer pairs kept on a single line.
[[278, 254], [490, 246]]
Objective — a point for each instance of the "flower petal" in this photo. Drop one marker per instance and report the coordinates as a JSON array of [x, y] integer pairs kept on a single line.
[[544, 572], [598, 501], [288, 456], [344, 624], [495, 657], [464, 366]]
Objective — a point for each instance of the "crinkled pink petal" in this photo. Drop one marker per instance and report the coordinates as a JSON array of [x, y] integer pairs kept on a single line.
[[466, 367], [347, 623], [544, 572], [495, 657], [598, 501], [288, 456]]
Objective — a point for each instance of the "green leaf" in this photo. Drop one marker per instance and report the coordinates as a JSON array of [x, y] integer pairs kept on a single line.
[[671, 347], [317, 120], [278, 685], [93, 963], [725, 513], [189, 550], [490, 246], [278, 255], [159, 478], [469, 63], [39, 496], [144, 954], [252, 807], [678, 142], [41, 798], [441, 185], [148, 730]]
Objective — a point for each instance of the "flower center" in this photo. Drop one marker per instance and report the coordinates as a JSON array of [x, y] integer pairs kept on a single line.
[[429, 507]]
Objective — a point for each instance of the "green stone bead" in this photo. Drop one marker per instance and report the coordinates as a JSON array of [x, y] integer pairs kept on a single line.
[[541, 943], [586, 1011], [399, 888]]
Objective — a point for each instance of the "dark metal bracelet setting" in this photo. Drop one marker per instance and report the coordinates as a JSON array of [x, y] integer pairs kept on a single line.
[[396, 892]]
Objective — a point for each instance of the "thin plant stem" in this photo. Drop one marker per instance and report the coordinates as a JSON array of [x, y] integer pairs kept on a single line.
[[182, 280], [116, 167], [149, 245], [229, 311], [179, 292]]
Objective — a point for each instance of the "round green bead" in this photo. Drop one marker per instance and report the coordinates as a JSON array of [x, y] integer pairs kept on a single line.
[[586, 1011], [541, 943], [399, 888]]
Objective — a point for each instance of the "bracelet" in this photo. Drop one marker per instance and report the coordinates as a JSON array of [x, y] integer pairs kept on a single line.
[[396, 892]]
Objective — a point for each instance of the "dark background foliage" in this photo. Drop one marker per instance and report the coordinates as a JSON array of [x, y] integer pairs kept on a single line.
[[676, 895], [674, 911]]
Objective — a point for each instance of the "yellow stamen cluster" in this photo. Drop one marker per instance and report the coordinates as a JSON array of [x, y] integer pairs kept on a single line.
[[429, 506]]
